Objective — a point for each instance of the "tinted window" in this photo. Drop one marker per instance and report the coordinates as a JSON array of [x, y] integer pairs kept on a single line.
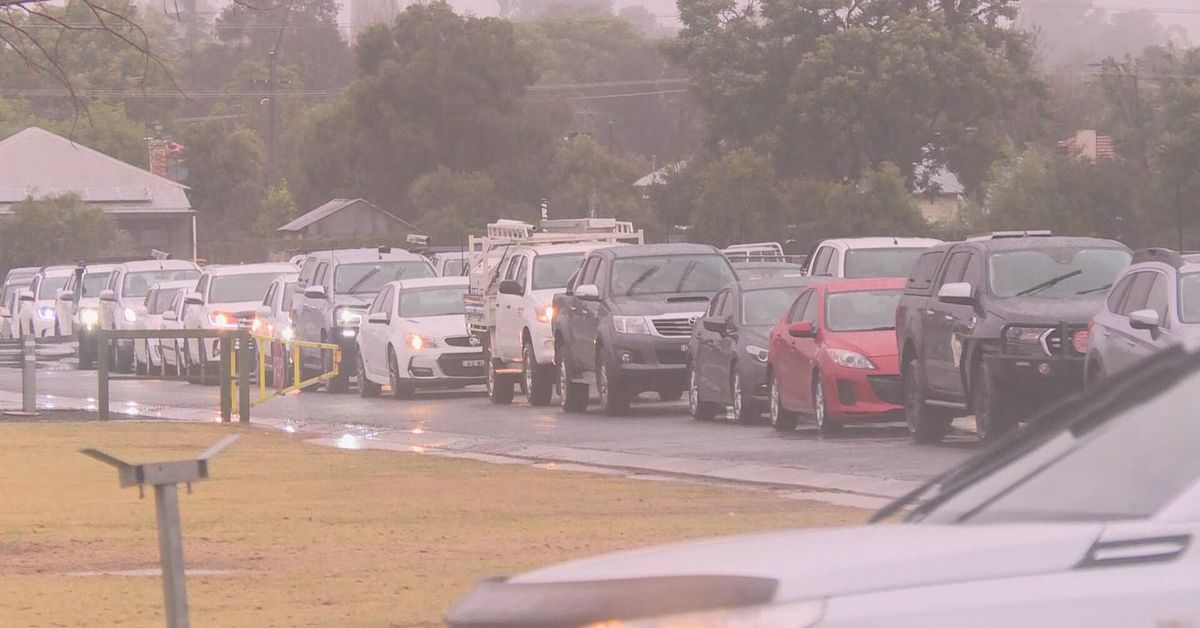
[[889, 262], [319, 277], [93, 284], [820, 265], [554, 271], [921, 277], [810, 309], [956, 268], [1189, 298], [714, 309], [432, 301], [234, 288], [665, 274], [868, 310], [370, 277], [799, 306], [50, 286], [1118, 294], [162, 301], [138, 284], [288, 290], [589, 272], [1158, 298], [1050, 273], [762, 308], [453, 267], [1139, 292]]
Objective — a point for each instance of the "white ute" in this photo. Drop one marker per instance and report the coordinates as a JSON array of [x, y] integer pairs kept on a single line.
[[509, 308], [866, 257]]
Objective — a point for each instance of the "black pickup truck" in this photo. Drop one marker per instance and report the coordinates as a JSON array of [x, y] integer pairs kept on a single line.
[[626, 319], [998, 326]]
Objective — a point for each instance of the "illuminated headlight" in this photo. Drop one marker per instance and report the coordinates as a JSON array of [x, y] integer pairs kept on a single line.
[[222, 320], [794, 615], [349, 332], [631, 325], [850, 359], [758, 353], [1025, 339], [89, 316], [545, 314], [349, 318], [46, 313], [130, 315], [287, 333], [416, 342]]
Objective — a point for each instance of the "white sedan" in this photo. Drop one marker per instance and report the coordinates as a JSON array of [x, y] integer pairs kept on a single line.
[[1088, 517], [415, 336]]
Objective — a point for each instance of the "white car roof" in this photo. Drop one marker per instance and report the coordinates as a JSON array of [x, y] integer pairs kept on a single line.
[[58, 271], [174, 285], [431, 282], [159, 264], [579, 247], [98, 268], [278, 268], [882, 243]]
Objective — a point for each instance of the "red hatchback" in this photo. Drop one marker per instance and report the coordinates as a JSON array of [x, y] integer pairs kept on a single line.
[[833, 355]]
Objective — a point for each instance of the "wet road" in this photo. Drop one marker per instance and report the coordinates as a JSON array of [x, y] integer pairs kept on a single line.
[[653, 428]]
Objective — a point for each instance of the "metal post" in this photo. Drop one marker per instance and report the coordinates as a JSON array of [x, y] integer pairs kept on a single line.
[[226, 384], [243, 375], [102, 341], [170, 554], [28, 374]]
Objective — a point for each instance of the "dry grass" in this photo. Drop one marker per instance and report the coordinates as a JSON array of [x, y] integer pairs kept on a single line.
[[318, 536]]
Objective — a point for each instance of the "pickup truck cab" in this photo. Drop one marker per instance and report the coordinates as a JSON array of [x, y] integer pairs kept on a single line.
[[997, 326], [625, 322], [125, 292], [858, 258], [331, 296], [78, 308]]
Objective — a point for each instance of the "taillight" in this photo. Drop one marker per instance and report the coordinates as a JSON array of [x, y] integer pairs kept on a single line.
[[1079, 340]]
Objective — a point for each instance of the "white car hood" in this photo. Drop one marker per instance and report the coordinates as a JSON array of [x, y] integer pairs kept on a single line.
[[825, 562], [437, 326]]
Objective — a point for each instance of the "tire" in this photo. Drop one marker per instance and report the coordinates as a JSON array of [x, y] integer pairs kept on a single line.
[[826, 425], [745, 410], [994, 417], [366, 387], [539, 379], [124, 364], [699, 409], [499, 386], [139, 367], [574, 396], [87, 357], [401, 387], [340, 384], [670, 394], [926, 424], [614, 399], [782, 419]]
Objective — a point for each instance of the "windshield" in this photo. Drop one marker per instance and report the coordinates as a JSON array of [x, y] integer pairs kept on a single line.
[[443, 301], [138, 284], [762, 308], [370, 277], [867, 310], [889, 262], [93, 283], [453, 267], [50, 287], [666, 274], [162, 300], [1054, 273], [554, 271], [288, 290], [1189, 298], [235, 288]]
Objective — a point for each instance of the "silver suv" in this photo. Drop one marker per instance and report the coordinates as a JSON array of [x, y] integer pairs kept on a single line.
[[333, 291]]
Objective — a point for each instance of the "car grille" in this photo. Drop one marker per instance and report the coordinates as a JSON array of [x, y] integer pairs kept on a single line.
[[452, 365], [667, 356], [461, 341], [673, 327]]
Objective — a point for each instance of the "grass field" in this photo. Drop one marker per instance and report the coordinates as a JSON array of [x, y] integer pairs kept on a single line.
[[317, 536]]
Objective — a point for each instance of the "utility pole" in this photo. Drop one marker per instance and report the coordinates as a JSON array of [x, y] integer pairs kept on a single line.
[[271, 82]]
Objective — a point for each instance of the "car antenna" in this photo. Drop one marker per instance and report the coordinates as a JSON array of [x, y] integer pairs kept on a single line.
[[895, 241]]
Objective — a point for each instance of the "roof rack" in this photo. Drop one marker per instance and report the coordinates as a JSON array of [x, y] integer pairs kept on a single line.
[[755, 252], [1000, 235], [1157, 254]]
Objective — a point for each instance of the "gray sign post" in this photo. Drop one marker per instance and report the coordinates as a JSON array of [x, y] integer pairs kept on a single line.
[[165, 477]]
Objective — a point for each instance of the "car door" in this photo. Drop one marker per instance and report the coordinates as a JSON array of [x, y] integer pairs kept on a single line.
[[1131, 345], [706, 361], [725, 346], [785, 350], [942, 349], [312, 321], [373, 337], [1106, 338], [583, 318], [804, 357], [508, 307]]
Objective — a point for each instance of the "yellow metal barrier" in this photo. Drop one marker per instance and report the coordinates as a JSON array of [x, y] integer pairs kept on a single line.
[[279, 386]]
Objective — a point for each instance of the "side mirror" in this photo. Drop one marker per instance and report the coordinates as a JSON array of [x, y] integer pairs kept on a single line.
[[315, 292], [170, 315], [588, 292], [108, 295], [193, 298], [959, 293], [715, 325], [508, 286], [379, 318], [1145, 319], [802, 329], [66, 295]]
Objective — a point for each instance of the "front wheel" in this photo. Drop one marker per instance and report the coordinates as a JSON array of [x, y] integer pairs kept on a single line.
[[782, 419], [401, 387], [366, 387], [499, 385], [745, 410], [926, 424], [614, 399], [993, 414], [700, 410], [826, 424], [539, 380], [574, 396]]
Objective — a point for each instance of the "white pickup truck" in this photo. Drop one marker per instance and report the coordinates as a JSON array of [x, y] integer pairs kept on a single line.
[[515, 271]]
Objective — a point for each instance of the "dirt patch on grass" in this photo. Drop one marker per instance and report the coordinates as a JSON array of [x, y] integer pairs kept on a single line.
[[318, 536]]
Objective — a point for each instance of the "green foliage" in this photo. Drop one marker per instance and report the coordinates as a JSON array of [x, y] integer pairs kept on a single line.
[[277, 209], [589, 180], [56, 231], [878, 204], [105, 128], [226, 179], [453, 204], [734, 197]]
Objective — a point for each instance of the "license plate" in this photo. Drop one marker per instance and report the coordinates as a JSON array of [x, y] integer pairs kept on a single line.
[[473, 363]]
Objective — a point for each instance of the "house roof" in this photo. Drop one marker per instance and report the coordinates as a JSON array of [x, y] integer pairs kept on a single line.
[[334, 206], [39, 164], [941, 181]]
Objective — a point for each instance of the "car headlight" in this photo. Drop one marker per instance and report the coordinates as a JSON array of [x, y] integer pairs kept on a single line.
[[1025, 339], [545, 314], [222, 320], [45, 313], [287, 333], [849, 359], [758, 353], [631, 325], [347, 317], [89, 316], [792, 615], [130, 315], [416, 342]]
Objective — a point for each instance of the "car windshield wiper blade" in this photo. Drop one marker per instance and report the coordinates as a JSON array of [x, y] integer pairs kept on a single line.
[[1050, 282], [686, 272], [1096, 289], [370, 273], [649, 272]]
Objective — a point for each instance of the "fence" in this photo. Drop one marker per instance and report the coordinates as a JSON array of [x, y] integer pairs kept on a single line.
[[24, 353]]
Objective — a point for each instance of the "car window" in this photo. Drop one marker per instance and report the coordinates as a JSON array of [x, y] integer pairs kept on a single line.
[[1158, 298], [380, 299], [589, 271], [1189, 298], [714, 309], [799, 306], [269, 297], [866, 310], [762, 308], [956, 268], [669, 274], [1117, 295], [553, 271], [289, 289], [883, 262], [820, 265], [307, 270], [1054, 272], [810, 309], [51, 286], [371, 277], [93, 283], [438, 301], [522, 270], [319, 276], [1139, 292], [920, 279], [174, 306], [239, 288], [202, 285]]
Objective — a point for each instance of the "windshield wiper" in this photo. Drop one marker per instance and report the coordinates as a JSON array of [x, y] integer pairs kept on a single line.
[[1050, 282], [683, 278], [649, 272], [1096, 289], [370, 273]]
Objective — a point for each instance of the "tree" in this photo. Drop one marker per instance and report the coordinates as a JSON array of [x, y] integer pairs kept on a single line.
[[734, 197], [879, 203], [453, 204], [588, 180], [56, 230], [277, 209], [106, 128], [226, 179]]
